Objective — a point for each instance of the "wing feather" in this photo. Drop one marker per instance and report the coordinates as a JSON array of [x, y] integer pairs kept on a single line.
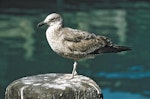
[[82, 41]]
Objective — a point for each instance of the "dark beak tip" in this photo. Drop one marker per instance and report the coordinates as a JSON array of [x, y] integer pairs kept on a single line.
[[40, 24]]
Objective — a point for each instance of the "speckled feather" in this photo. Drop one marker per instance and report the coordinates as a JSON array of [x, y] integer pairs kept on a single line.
[[76, 44], [83, 41]]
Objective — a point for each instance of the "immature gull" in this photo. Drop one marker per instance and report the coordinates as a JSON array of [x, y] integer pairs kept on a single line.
[[76, 44]]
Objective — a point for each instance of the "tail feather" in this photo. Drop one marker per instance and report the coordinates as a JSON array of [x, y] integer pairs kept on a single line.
[[114, 49], [111, 49]]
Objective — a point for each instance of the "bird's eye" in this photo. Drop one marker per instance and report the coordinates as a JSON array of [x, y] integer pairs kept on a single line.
[[52, 19]]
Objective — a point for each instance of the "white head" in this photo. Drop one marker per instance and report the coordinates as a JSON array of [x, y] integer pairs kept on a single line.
[[52, 20]]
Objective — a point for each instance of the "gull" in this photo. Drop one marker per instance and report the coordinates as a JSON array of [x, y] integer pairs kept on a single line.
[[76, 44]]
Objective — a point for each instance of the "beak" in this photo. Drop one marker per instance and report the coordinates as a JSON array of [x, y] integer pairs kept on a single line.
[[41, 24]]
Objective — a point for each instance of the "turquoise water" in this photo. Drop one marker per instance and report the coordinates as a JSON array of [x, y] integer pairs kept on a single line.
[[24, 50], [121, 95]]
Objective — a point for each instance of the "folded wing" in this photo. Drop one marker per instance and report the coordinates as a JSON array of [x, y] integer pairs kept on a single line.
[[82, 41]]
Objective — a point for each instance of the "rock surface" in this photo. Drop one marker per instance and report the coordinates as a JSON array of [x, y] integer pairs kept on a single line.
[[53, 86]]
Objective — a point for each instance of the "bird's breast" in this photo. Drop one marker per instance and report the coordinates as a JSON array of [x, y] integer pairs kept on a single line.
[[56, 42]]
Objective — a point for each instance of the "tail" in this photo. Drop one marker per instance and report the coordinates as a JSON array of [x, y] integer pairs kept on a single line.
[[111, 49]]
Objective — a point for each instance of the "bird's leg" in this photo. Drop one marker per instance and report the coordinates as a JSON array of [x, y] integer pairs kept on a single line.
[[74, 72]]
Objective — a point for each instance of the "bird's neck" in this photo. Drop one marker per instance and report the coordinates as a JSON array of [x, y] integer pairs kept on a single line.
[[56, 26]]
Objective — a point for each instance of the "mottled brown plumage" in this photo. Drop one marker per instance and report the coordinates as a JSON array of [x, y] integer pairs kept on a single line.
[[76, 44]]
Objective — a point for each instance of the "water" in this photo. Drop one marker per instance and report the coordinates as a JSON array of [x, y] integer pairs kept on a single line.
[[121, 95], [24, 50]]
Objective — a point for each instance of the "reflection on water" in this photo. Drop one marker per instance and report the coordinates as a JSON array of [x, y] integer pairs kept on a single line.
[[129, 75], [121, 95], [17, 32], [24, 50]]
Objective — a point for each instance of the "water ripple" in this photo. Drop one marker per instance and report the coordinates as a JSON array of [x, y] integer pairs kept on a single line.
[[108, 94], [130, 75]]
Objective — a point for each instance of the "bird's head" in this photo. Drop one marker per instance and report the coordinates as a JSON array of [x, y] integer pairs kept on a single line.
[[52, 20]]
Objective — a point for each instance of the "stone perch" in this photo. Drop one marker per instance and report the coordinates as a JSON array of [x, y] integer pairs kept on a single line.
[[53, 86]]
